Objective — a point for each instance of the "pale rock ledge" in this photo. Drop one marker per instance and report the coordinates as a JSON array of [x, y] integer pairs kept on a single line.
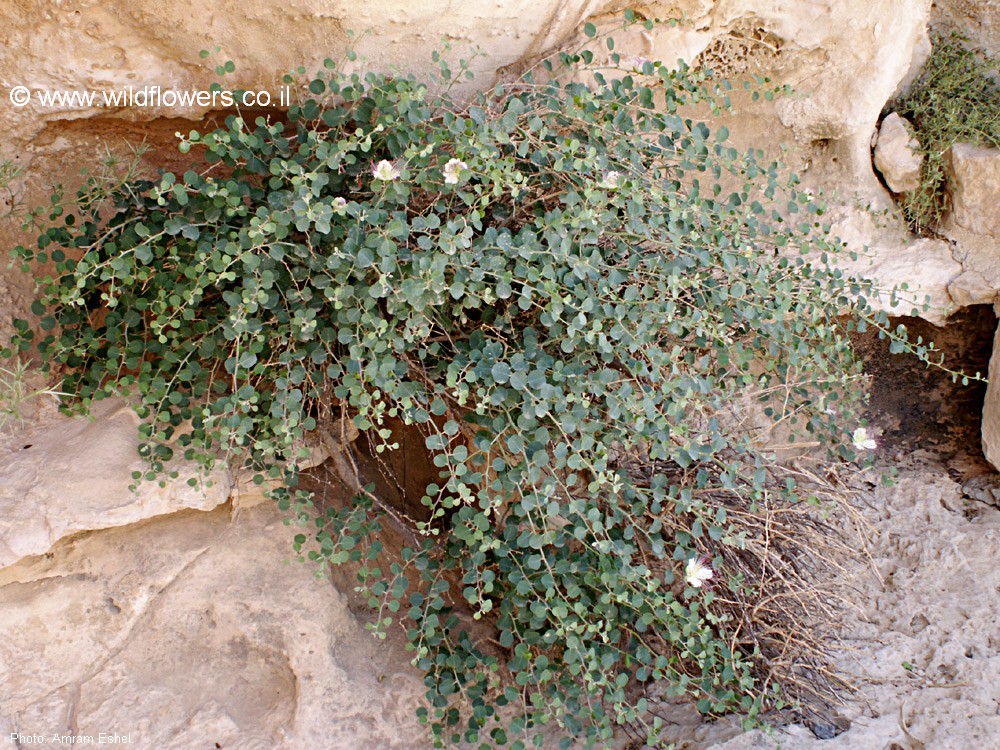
[[71, 475]]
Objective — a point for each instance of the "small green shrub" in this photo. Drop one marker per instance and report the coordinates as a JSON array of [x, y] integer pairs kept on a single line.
[[956, 99], [10, 175], [15, 392], [568, 288]]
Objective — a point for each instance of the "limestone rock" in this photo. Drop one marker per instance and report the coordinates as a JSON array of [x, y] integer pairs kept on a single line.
[[889, 256], [984, 488], [110, 45], [897, 154], [189, 630], [921, 53], [991, 408], [978, 20], [972, 288], [928, 270], [844, 60], [974, 184], [73, 474]]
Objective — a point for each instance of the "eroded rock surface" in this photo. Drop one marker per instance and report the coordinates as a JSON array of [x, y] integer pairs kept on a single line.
[[73, 474], [887, 255], [974, 185], [190, 630], [925, 628]]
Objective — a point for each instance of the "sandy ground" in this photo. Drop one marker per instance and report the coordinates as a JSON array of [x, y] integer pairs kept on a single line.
[[923, 633], [923, 640]]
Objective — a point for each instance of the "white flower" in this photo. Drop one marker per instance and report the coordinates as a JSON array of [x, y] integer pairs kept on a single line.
[[638, 63], [610, 179], [385, 171], [697, 572], [339, 203], [861, 440], [452, 170]]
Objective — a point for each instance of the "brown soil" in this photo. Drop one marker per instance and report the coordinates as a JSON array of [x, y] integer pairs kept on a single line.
[[918, 407]]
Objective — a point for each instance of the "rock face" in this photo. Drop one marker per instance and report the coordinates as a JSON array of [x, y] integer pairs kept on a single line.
[[189, 630], [74, 475], [974, 185], [928, 268], [991, 406], [169, 615], [843, 59], [973, 224], [897, 154], [928, 261]]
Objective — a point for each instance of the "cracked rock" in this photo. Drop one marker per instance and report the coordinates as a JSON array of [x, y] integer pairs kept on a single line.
[[215, 640], [974, 185], [69, 475]]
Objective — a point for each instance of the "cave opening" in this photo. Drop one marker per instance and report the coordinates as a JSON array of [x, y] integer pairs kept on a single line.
[[920, 409]]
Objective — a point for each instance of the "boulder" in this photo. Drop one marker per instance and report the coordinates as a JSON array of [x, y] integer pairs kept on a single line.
[[68, 475], [897, 154], [974, 185], [888, 255], [192, 631]]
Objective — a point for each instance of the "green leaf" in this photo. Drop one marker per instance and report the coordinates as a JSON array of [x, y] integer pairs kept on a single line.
[[500, 372]]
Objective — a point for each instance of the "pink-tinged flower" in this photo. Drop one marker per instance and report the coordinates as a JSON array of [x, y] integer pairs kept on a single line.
[[611, 178], [697, 572], [453, 170], [386, 171], [339, 203]]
